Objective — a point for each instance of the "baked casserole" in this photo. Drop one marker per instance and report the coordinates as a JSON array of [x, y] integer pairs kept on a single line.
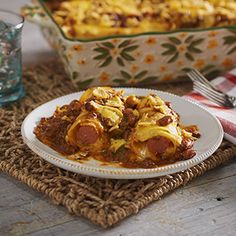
[[138, 42], [97, 18]]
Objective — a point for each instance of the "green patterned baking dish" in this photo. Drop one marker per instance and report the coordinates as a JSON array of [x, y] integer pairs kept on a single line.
[[137, 60]]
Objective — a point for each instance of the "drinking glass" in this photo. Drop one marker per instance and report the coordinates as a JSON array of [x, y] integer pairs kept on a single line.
[[11, 87]]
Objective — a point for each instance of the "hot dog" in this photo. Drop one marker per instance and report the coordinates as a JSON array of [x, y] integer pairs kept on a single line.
[[87, 134], [158, 145]]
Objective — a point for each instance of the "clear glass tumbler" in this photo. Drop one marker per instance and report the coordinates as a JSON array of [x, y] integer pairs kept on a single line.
[[11, 87]]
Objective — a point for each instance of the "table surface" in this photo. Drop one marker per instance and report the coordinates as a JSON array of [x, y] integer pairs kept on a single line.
[[207, 206]]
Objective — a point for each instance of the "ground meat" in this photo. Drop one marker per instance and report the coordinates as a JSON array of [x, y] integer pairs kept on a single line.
[[121, 155], [187, 154], [186, 143], [129, 118], [52, 131], [71, 111]]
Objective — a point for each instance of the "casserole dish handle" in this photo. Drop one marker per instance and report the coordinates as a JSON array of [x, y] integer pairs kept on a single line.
[[35, 14]]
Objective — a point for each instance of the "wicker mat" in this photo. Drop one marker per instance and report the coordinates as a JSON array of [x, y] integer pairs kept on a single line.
[[102, 201]]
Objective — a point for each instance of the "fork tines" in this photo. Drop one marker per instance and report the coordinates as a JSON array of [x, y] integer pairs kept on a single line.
[[195, 75], [210, 95], [203, 86]]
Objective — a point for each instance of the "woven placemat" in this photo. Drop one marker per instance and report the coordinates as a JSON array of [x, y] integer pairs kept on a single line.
[[102, 201]]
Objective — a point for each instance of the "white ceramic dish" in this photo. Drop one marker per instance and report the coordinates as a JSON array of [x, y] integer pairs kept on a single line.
[[190, 113]]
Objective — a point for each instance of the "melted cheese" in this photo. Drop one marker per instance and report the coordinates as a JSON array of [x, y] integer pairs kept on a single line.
[[111, 114], [108, 105], [116, 144], [96, 18]]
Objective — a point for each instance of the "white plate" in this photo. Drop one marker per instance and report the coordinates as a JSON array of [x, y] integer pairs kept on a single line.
[[190, 113]]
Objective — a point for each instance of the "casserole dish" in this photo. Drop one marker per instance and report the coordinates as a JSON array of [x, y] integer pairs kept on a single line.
[[137, 59]]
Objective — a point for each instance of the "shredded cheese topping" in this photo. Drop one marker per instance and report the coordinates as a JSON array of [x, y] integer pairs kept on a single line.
[[96, 18]]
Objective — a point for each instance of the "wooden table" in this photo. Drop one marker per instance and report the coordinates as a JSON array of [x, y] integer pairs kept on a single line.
[[205, 207]]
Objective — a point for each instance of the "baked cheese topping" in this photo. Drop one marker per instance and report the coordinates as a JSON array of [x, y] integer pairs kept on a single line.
[[96, 18]]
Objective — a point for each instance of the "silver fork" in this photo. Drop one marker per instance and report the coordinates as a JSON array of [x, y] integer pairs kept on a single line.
[[213, 95], [203, 86], [196, 75]]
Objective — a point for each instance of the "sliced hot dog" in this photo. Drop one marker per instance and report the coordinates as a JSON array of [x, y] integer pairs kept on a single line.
[[158, 145], [87, 134]]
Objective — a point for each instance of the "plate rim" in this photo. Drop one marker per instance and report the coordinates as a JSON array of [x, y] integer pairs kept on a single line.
[[125, 173]]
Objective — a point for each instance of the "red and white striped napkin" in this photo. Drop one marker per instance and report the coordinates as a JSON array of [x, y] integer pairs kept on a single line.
[[226, 116]]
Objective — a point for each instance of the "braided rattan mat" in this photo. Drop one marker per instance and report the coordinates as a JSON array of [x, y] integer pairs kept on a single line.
[[102, 201]]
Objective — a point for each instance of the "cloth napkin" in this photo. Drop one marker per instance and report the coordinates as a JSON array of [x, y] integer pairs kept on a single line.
[[226, 116]]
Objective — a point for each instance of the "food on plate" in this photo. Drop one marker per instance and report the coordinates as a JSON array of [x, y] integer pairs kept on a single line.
[[96, 18], [131, 131]]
